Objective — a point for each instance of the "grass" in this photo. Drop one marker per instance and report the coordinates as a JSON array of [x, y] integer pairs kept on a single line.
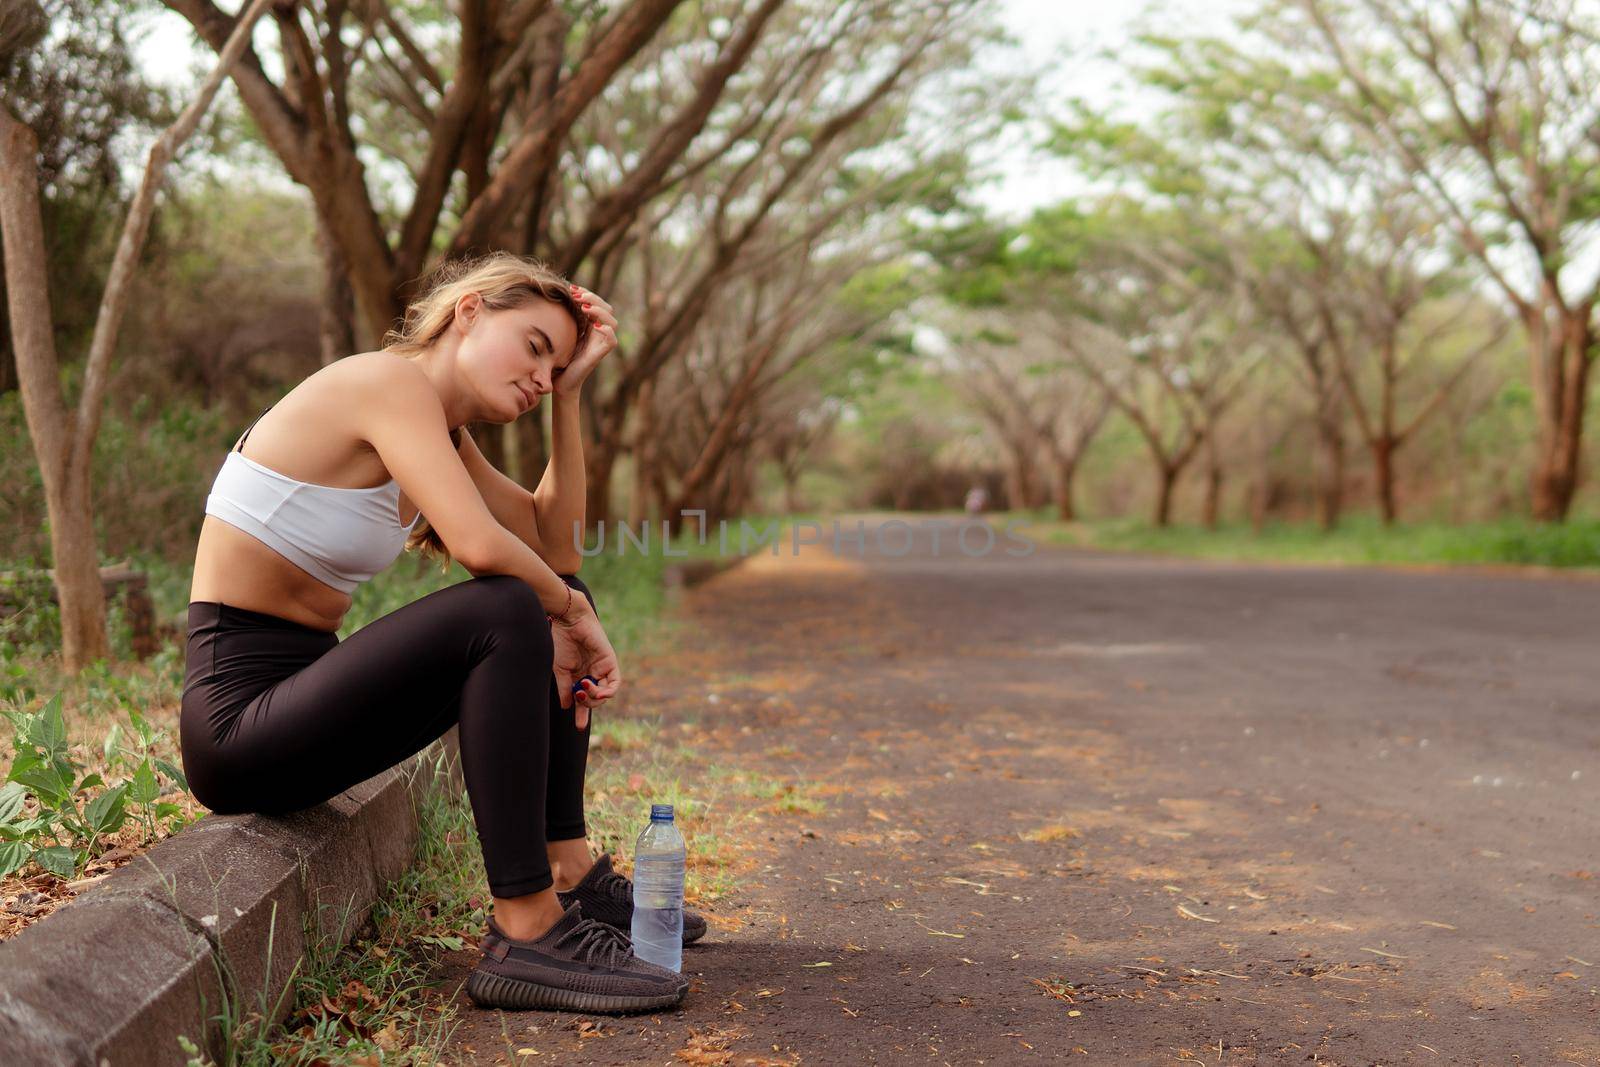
[[98, 703], [375, 999], [1359, 539], [372, 1001], [628, 591], [784, 796]]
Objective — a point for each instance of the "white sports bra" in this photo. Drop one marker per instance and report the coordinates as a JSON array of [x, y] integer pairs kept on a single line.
[[339, 536]]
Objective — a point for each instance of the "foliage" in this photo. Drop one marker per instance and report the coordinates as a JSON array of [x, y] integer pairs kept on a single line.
[[46, 816], [152, 459], [79, 90], [1360, 539]]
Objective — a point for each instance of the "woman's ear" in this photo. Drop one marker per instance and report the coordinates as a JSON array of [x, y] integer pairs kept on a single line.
[[467, 310]]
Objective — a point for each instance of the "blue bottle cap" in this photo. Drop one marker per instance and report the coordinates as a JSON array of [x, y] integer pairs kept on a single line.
[[661, 813]]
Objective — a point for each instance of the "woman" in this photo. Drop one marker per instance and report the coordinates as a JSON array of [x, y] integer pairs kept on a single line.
[[323, 490]]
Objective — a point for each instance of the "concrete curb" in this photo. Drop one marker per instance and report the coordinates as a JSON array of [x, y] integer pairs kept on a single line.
[[217, 913]]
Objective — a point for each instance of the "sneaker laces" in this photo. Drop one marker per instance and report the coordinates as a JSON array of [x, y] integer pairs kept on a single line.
[[595, 942], [616, 886]]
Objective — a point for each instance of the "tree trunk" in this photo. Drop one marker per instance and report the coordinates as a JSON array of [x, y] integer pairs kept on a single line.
[[1258, 503], [510, 452], [50, 424], [337, 328], [1039, 493], [602, 426], [899, 502], [63, 439], [491, 442], [717, 495], [1167, 479], [8, 359], [1383, 474], [741, 485], [597, 506], [644, 456], [532, 454], [1023, 490], [1212, 505], [1555, 476], [1261, 484], [77, 574], [1066, 473], [1330, 471], [641, 497], [1560, 441], [720, 444], [1016, 484], [791, 491]]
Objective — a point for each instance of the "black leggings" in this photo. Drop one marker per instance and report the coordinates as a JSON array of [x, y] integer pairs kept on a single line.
[[278, 716]]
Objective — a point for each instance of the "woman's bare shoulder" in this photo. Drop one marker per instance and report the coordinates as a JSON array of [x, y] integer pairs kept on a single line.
[[378, 368], [384, 388], [367, 377], [351, 391]]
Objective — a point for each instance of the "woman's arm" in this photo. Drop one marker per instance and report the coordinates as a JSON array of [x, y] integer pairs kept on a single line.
[[405, 424], [511, 504], [560, 500]]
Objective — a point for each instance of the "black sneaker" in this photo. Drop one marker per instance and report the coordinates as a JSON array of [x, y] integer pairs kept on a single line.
[[607, 897], [577, 965]]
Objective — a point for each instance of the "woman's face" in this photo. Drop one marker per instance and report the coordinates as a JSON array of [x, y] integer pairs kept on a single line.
[[512, 357]]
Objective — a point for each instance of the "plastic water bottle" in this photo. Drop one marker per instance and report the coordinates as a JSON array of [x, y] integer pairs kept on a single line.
[[658, 863]]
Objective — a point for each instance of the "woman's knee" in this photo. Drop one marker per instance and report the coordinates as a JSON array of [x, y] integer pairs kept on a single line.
[[503, 601], [505, 591]]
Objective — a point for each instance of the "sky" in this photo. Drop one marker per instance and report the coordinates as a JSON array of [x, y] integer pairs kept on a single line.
[[1061, 38], [1065, 39]]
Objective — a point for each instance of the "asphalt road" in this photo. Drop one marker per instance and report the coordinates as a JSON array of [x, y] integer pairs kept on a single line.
[[1115, 809]]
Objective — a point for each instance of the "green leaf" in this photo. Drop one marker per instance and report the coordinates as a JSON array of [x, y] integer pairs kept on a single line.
[[50, 782], [89, 781], [12, 797], [13, 854], [145, 786], [27, 758], [57, 859], [165, 808], [113, 738], [19, 724], [454, 944], [48, 731], [171, 771], [107, 811]]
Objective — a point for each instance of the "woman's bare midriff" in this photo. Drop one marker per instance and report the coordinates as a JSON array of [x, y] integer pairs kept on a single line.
[[232, 567]]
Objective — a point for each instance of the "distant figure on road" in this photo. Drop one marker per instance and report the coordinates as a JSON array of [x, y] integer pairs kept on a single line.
[[977, 499]]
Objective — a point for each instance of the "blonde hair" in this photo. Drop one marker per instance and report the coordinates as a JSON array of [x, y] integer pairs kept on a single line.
[[503, 281]]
